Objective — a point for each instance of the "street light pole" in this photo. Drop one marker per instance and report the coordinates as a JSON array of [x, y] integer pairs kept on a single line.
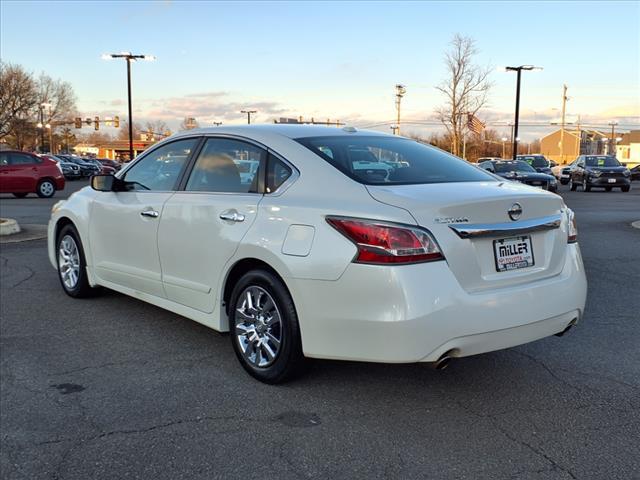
[[518, 70], [248, 112], [129, 57]]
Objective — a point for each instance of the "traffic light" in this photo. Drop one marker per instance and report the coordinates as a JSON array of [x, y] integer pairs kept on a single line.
[[116, 121], [78, 122], [96, 124]]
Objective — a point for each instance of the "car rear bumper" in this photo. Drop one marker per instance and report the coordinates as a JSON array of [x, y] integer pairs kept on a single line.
[[416, 313]]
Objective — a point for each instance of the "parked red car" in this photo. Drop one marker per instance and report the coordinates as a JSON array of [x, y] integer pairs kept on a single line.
[[22, 173]]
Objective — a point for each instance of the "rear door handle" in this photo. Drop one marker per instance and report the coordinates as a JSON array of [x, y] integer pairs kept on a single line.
[[232, 216], [150, 213]]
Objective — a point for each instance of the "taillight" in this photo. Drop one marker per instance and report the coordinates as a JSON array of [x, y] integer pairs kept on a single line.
[[386, 243], [573, 227]]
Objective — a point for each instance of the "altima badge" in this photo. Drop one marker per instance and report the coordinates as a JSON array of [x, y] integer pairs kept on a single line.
[[515, 211], [451, 220]]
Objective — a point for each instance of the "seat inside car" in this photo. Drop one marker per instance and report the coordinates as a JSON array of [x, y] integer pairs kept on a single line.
[[215, 172]]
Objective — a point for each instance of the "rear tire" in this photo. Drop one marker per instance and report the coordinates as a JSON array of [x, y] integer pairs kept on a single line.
[[72, 266], [626, 189], [585, 186], [572, 185], [20, 195], [264, 328], [46, 188]]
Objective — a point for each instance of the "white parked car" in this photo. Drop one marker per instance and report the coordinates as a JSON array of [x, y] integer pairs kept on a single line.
[[315, 257]]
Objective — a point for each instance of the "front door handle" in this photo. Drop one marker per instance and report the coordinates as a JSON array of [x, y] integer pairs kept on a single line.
[[232, 216], [150, 213]]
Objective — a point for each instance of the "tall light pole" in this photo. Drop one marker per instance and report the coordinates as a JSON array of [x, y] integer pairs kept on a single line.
[[564, 111], [248, 112], [129, 57], [400, 91], [518, 70]]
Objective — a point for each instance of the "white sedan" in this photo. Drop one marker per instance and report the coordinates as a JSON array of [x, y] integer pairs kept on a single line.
[[316, 257]]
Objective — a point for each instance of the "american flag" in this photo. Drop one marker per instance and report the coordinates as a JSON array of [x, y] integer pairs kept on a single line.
[[474, 124]]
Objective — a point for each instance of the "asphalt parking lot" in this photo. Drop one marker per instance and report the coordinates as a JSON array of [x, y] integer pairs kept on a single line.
[[114, 388]]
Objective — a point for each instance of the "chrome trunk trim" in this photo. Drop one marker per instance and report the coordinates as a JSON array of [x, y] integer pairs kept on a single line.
[[506, 229]]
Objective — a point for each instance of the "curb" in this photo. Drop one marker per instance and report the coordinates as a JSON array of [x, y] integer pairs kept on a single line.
[[27, 232], [8, 226], [636, 224]]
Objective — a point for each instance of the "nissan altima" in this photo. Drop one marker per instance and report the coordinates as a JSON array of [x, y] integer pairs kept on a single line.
[[313, 254]]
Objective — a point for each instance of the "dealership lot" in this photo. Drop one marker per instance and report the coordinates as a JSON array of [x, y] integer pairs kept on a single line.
[[112, 387]]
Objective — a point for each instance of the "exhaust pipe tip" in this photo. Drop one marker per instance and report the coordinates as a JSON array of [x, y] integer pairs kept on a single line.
[[442, 363], [571, 324], [444, 360]]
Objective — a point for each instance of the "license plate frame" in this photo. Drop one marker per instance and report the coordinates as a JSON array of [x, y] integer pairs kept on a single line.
[[527, 260]]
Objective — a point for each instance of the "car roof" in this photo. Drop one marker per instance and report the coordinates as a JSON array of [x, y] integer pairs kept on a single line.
[[285, 130]]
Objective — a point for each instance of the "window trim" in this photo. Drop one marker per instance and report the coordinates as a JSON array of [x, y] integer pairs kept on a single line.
[[121, 175]]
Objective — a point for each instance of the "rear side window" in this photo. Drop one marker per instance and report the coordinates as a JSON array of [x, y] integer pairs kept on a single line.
[[383, 160], [227, 166], [4, 159], [277, 173]]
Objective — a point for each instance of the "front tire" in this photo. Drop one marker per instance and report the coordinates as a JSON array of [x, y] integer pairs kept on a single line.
[[264, 329], [46, 188], [626, 189], [72, 266], [585, 185], [572, 185]]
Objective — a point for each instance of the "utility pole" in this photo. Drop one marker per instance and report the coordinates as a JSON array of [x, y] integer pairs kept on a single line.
[[400, 91], [613, 138], [248, 112], [564, 104]]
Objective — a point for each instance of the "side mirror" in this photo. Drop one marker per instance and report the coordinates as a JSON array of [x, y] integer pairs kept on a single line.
[[103, 183], [624, 164]]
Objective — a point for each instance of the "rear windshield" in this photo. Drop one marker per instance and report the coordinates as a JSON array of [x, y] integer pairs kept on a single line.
[[392, 161], [601, 161], [536, 161]]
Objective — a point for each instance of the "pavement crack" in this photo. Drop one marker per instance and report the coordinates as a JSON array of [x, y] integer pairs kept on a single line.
[[31, 274]]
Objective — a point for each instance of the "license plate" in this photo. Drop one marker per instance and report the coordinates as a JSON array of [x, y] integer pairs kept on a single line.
[[612, 180], [513, 253], [564, 175]]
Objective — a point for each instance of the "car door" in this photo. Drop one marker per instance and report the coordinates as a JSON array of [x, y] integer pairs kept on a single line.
[[123, 225], [203, 223], [21, 172]]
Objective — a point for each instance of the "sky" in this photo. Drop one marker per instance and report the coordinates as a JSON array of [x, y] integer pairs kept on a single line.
[[337, 60]]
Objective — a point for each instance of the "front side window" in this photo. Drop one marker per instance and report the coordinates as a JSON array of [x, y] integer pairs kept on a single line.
[[227, 166], [160, 169], [22, 159], [382, 160]]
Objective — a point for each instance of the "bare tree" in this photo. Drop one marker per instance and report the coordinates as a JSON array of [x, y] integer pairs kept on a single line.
[[465, 89], [157, 129], [123, 133], [189, 123], [18, 97], [59, 95]]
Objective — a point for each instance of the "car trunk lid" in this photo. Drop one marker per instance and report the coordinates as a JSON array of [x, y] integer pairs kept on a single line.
[[438, 207]]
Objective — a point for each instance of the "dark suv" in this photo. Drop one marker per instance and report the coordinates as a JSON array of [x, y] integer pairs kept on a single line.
[[539, 162], [600, 171]]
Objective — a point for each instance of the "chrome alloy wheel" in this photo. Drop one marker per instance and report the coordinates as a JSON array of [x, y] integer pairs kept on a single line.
[[258, 327], [69, 261], [47, 189]]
